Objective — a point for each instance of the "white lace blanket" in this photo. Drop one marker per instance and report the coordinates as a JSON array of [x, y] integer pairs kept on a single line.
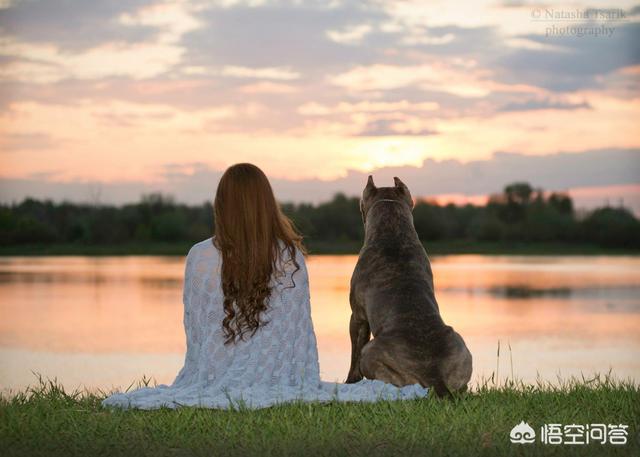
[[278, 364]]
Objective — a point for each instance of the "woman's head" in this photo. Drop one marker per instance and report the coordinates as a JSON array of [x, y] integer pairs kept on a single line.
[[249, 227]]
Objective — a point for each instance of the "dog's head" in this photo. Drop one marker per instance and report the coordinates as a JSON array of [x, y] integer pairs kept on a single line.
[[372, 195]]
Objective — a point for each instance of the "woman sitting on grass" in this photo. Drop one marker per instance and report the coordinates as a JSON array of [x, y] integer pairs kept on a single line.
[[247, 316]]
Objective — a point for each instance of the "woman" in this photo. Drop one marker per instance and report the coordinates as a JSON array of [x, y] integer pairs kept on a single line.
[[247, 316]]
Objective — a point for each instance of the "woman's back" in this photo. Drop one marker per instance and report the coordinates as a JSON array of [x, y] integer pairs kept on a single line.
[[282, 352]]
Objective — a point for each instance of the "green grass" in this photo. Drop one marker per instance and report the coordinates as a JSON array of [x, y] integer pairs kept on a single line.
[[323, 247], [44, 420]]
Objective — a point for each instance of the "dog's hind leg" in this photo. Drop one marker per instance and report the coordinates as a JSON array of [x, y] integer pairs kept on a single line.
[[360, 334], [379, 362]]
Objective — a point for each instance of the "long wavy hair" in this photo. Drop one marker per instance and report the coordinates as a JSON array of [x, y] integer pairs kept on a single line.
[[249, 227]]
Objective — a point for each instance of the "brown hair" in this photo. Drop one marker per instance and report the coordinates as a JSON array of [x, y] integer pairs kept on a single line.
[[249, 227]]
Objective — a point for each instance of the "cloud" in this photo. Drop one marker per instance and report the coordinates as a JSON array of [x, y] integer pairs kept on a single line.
[[329, 53], [310, 37], [74, 25], [195, 182], [450, 40], [44, 175], [580, 62], [324, 86], [393, 127], [278, 73], [543, 104], [268, 87], [317, 109], [26, 141], [183, 172], [350, 35], [48, 41], [459, 77], [45, 64]]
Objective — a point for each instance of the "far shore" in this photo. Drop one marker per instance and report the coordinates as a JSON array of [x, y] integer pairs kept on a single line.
[[319, 248]]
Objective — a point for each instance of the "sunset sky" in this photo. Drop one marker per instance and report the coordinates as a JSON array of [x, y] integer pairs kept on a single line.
[[106, 100]]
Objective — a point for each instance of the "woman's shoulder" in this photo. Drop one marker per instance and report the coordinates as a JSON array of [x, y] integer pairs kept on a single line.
[[209, 247], [201, 246]]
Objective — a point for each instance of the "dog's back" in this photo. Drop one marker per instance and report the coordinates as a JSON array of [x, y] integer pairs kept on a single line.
[[392, 296]]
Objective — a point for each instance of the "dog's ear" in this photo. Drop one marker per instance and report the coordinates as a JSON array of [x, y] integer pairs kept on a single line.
[[370, 185], [399, 183], [404, 190]]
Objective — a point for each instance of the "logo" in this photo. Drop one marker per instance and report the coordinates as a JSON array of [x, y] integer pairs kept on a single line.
[[572, 434], [522, 434]]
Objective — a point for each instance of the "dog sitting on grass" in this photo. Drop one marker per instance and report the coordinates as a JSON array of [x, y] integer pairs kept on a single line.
[[392, 298]]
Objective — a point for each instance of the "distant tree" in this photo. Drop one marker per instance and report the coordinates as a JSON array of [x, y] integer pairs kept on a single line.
[[519, 213], [31, 230], [518, 193], [612, 227], [487, 227], [8, 222], [544, 222], [338, 219], [169, 226], [561, 202], [511, 205], [429, 222]]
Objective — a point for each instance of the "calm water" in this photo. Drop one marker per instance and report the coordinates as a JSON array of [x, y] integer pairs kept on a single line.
[[104, 322]]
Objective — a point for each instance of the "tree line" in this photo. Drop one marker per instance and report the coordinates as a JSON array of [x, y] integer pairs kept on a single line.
[[520, 213]]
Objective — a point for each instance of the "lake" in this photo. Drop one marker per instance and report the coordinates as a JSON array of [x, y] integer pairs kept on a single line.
[[103, 322]]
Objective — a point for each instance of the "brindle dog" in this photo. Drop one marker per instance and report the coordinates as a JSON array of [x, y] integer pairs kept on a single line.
[[392, 297]]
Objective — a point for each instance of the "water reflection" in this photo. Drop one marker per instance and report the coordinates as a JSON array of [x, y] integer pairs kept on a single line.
[[105, 321]]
